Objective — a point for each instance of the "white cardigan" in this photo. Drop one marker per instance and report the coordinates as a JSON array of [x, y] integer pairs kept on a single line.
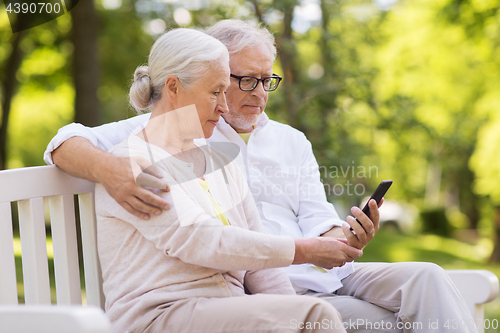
[[185, 252]]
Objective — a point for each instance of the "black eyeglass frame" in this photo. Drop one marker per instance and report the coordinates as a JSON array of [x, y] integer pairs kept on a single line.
[[274, 76]]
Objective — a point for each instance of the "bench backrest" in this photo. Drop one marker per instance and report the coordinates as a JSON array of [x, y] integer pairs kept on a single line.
[[28, 187]]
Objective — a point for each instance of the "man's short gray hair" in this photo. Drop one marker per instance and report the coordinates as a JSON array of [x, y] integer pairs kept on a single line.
[[237, 35]]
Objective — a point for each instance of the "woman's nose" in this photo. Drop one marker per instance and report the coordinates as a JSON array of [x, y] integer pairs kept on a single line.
[[222, 105]]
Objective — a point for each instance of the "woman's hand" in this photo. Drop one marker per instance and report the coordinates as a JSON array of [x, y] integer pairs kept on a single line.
[[326, 252]]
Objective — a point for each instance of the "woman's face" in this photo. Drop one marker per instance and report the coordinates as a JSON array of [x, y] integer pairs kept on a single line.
[[208, 94]]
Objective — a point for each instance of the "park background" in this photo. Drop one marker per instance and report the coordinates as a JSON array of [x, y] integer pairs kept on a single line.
[[405, 89]]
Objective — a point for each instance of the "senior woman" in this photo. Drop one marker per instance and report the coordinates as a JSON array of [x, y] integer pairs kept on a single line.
[[186, 270]]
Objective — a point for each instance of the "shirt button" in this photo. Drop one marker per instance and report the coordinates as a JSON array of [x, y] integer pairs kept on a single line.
[[222, 284]]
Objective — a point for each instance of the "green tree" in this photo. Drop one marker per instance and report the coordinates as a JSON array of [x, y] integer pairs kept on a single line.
[[36, 95], [85, 63], [9, 82], [433, 73]]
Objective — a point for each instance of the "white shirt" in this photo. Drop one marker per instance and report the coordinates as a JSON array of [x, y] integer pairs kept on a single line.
[[282, 174]]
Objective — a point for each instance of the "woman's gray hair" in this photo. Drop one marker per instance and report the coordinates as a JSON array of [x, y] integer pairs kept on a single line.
[[237, 35], [185, 53]]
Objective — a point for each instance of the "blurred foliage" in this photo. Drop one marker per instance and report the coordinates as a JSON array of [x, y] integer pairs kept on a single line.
[[486, 161], [43, 102], [382, 89]]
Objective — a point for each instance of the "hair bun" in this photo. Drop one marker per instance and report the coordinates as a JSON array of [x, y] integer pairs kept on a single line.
[[140, 91], [141, 72]]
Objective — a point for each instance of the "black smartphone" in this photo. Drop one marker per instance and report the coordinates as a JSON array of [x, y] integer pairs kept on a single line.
[[379, 193]]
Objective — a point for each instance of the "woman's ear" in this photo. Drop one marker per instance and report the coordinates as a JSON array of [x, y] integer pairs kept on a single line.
[[171, 87]]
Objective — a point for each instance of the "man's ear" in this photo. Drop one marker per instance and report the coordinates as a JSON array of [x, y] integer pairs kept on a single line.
[[172, 86]]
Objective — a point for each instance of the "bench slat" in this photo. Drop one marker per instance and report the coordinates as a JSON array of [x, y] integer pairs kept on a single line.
[[67, 272], [93, 277], [8, 284], [34, 251]]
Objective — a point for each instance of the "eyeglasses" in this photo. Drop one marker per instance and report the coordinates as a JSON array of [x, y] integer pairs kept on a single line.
[[249, 83]]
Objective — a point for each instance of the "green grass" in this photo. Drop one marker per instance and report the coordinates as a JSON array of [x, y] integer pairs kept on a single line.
[[389, 246], [50, 261]]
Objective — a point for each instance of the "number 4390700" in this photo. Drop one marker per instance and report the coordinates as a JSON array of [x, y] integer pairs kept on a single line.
[[33, 8]]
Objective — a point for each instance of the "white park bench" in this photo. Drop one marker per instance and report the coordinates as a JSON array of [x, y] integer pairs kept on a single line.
[[28, 187]]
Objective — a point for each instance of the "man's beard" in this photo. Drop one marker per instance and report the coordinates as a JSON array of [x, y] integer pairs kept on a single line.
[[240, 121]]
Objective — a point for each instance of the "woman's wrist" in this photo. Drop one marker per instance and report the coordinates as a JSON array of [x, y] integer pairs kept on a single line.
[[301, 251]]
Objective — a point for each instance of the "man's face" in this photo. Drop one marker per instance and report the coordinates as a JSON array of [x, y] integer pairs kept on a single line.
[[245, 107]]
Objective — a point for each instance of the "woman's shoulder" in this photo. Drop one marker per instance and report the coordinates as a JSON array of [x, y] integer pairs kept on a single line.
[[225, 157], [132, 146], [121, 149], [222, 153]]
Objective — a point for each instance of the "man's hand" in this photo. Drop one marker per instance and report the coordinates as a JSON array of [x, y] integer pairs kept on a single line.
[[326, 252], [362, 233], [78, 157], [117, 177]]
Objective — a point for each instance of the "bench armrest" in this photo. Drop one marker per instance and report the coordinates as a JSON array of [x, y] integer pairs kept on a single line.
[[476, 287], [53, 319]]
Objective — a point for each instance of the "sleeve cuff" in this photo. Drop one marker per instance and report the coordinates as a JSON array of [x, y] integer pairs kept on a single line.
[[323, 227], [283, 251]]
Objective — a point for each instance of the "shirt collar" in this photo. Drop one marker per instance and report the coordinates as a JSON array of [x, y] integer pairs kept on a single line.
[[263, 120]]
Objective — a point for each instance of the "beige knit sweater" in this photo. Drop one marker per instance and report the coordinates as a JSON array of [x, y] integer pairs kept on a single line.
[[186, 251]]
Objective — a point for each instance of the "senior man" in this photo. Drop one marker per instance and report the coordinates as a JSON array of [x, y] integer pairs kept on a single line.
[[283, 177]]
